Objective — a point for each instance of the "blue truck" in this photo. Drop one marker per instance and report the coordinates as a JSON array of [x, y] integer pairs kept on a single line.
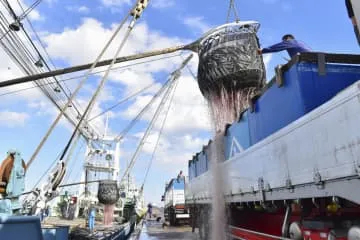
[[291, 162]]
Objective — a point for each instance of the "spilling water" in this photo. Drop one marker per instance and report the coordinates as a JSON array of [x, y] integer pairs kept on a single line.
[[224, 109], [230, 73]]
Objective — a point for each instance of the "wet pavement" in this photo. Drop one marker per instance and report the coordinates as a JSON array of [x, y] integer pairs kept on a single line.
[[153, 230]]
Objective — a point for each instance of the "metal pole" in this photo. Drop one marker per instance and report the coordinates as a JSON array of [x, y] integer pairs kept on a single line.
[[72, 149], [81, 183], [99, 64]]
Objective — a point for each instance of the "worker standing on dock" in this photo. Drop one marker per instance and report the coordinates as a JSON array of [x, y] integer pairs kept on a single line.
[[91, 218], [149, 210], [288, 43]]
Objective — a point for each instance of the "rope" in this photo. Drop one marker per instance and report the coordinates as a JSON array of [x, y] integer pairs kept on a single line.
[[149, 128], [43, 60], [72, 167], [174, 77], [188, 68], [42, 45], [160, 133], [143, 110], [21, 17], [233, 8], [102, 83], [55, 99], [76, 91], [237, 19], [122, 101], [73, 146], [229, 11], [11, 11], [32, 7], [23, 57], [42, 176]]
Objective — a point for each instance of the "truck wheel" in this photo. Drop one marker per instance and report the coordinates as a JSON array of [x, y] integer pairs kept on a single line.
[[172, 218], [166, 216]]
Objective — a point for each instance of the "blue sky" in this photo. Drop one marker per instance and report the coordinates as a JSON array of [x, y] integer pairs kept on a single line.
[[74, 31]]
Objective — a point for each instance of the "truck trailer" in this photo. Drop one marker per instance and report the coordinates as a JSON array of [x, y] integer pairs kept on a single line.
[[291, 162], [174, 198]]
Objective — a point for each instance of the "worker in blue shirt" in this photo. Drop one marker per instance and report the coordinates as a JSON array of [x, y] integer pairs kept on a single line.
[[289, 43], [91, 218]]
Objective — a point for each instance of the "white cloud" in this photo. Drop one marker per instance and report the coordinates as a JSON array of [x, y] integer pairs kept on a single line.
[[13, 119], [133, 81], [83, 9], [197, 23], [188, 114], [35, 15], [188, 111], [9, 70], [50, 2], [162, 3], [80, 9], [91, 36], [286, 6], [153, 3], [174, 156], [270, 1], [267, 58], [179, 147], [115, 2]]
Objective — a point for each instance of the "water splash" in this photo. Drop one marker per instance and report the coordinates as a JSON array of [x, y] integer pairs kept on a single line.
[[218, 218], [224, 108]]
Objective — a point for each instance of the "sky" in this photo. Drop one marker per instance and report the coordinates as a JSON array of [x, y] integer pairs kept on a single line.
[[74, 31]]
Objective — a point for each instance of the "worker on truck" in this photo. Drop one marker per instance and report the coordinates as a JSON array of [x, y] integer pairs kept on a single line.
[[180, 176], [288, 43]]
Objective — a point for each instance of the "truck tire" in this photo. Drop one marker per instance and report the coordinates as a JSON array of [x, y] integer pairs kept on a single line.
[[172, 217], [166, 215]]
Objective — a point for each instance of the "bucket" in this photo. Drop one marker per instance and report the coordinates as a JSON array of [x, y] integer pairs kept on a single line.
[[108, 192]]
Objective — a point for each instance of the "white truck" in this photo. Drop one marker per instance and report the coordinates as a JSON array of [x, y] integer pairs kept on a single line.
[[174, 198]]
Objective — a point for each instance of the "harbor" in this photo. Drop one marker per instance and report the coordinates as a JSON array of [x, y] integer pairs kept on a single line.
[[138, 120]]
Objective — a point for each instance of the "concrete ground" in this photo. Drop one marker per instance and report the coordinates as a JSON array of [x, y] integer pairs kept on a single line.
[[153, 230]]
